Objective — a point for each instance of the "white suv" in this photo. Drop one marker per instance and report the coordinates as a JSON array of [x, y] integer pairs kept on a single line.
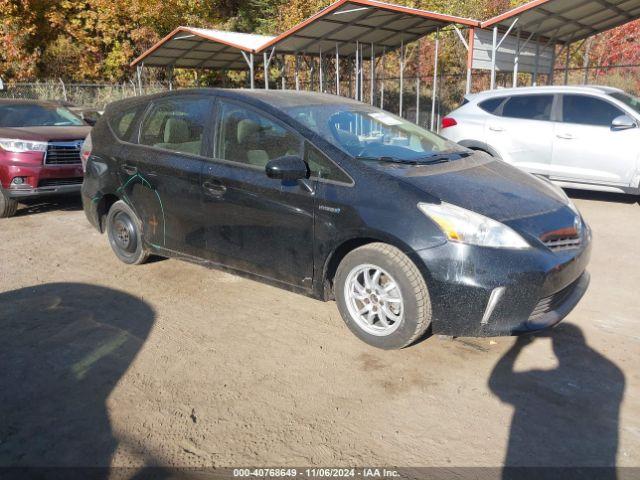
[[579, 137]]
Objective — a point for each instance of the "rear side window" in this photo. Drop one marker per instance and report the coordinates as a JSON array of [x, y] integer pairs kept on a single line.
[[321, 167], [529, 107], [584, 110], [176, 124], [122, 122], [492, 105]]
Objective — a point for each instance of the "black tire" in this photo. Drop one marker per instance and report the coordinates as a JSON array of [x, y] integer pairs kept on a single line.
[[8, 206], [411, 283], [125, 234]]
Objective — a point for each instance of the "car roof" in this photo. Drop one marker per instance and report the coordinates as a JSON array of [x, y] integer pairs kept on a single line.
[[501, 92], [279, 99]]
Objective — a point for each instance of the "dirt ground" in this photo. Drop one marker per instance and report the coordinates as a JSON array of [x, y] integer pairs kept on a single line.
[[173, 364]]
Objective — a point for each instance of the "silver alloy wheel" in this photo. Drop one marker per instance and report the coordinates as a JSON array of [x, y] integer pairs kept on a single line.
[[374, 300]]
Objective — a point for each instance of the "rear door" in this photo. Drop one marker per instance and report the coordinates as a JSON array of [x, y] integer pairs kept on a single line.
[[521, 131], [160, 175], [586, 148], [251, 222]]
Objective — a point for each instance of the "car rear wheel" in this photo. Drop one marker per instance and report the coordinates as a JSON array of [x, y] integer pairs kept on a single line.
[[8, 206], [124, 232], [382, 296]]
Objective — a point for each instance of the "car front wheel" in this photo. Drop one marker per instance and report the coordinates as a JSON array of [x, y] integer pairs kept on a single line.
[[124, 232], [382, 296], [8, 206]]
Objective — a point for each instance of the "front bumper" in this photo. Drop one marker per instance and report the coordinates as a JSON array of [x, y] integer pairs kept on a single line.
[[41, 191], [532, 289]]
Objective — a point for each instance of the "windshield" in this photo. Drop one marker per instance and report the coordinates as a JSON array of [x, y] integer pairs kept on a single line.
[[368, 133], [628, 100], [31, 115]]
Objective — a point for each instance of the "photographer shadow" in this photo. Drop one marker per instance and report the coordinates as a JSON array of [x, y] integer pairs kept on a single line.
[[565, 420], [63, 349]]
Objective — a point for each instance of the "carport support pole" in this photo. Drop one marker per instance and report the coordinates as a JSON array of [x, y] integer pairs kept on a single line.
[[401, 76], [373, 73], [566, 64], [337, 69], [434, 93], [266, 70], [139, 73], [321, 73], [472, 38], [384, 54], [552, 70], [251, 72], [170, 77], [516, 61], [537, 64], [418, 97], [357, 92], [494, 52]]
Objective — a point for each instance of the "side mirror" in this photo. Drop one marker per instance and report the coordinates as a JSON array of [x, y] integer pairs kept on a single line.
[[623, 122], [290, 167]]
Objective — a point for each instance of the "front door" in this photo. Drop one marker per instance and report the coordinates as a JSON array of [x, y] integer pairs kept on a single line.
[[586, 148], [254, 223], [521, 132], [161, 174]]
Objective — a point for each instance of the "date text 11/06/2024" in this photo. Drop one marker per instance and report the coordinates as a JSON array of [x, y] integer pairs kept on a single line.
[[316, 472]]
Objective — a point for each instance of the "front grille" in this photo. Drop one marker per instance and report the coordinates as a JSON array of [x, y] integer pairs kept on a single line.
[[563, 243], [60, 182], [552, 302], [63, 153]]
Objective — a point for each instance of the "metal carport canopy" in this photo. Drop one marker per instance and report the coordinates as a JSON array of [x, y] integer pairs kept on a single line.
[[188, 47], [368, 22], [566, 21]]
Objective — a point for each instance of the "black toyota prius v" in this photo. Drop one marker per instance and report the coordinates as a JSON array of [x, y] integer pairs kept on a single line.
[[336, 199]]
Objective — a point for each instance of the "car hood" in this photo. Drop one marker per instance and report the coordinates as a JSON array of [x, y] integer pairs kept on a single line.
[[482, 184], [45, 134]]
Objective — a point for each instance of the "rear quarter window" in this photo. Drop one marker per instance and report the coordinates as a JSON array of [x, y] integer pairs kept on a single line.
[[122, 122], [492, 105]]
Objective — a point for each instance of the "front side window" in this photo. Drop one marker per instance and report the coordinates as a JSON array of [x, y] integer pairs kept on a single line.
[[583, 110], [176, 124], [529, 107], [33, 115], [628, 100], [246, 136], [370, 134], [321, 167], [122, 122]]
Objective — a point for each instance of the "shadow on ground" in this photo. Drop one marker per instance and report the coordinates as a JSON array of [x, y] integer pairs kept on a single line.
[[63, 348], [564, 417], [32, 206], [603, 196]]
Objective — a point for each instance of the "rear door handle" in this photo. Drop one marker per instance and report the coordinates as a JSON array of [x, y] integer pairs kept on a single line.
[[129, 169], [566, 136], [215, 188], [496, 128]]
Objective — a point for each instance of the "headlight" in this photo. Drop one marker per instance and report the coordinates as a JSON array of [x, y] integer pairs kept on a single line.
[[464, 226], [21, 146]]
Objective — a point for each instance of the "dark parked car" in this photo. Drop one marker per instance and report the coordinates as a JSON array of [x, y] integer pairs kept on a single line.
[[40, 147], [336, 199]]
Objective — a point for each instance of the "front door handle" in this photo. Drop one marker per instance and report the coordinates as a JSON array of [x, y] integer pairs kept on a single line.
[[566, 136], [129, 169], [214, 188]]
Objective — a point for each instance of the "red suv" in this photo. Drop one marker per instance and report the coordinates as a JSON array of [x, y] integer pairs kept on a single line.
[[40, 147]]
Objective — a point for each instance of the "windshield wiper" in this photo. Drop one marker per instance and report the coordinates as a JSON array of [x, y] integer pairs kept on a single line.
[[430, 160]]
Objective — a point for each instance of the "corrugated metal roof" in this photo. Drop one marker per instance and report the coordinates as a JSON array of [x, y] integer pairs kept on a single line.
[[568, 20], [366, 21], [188, 47]]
